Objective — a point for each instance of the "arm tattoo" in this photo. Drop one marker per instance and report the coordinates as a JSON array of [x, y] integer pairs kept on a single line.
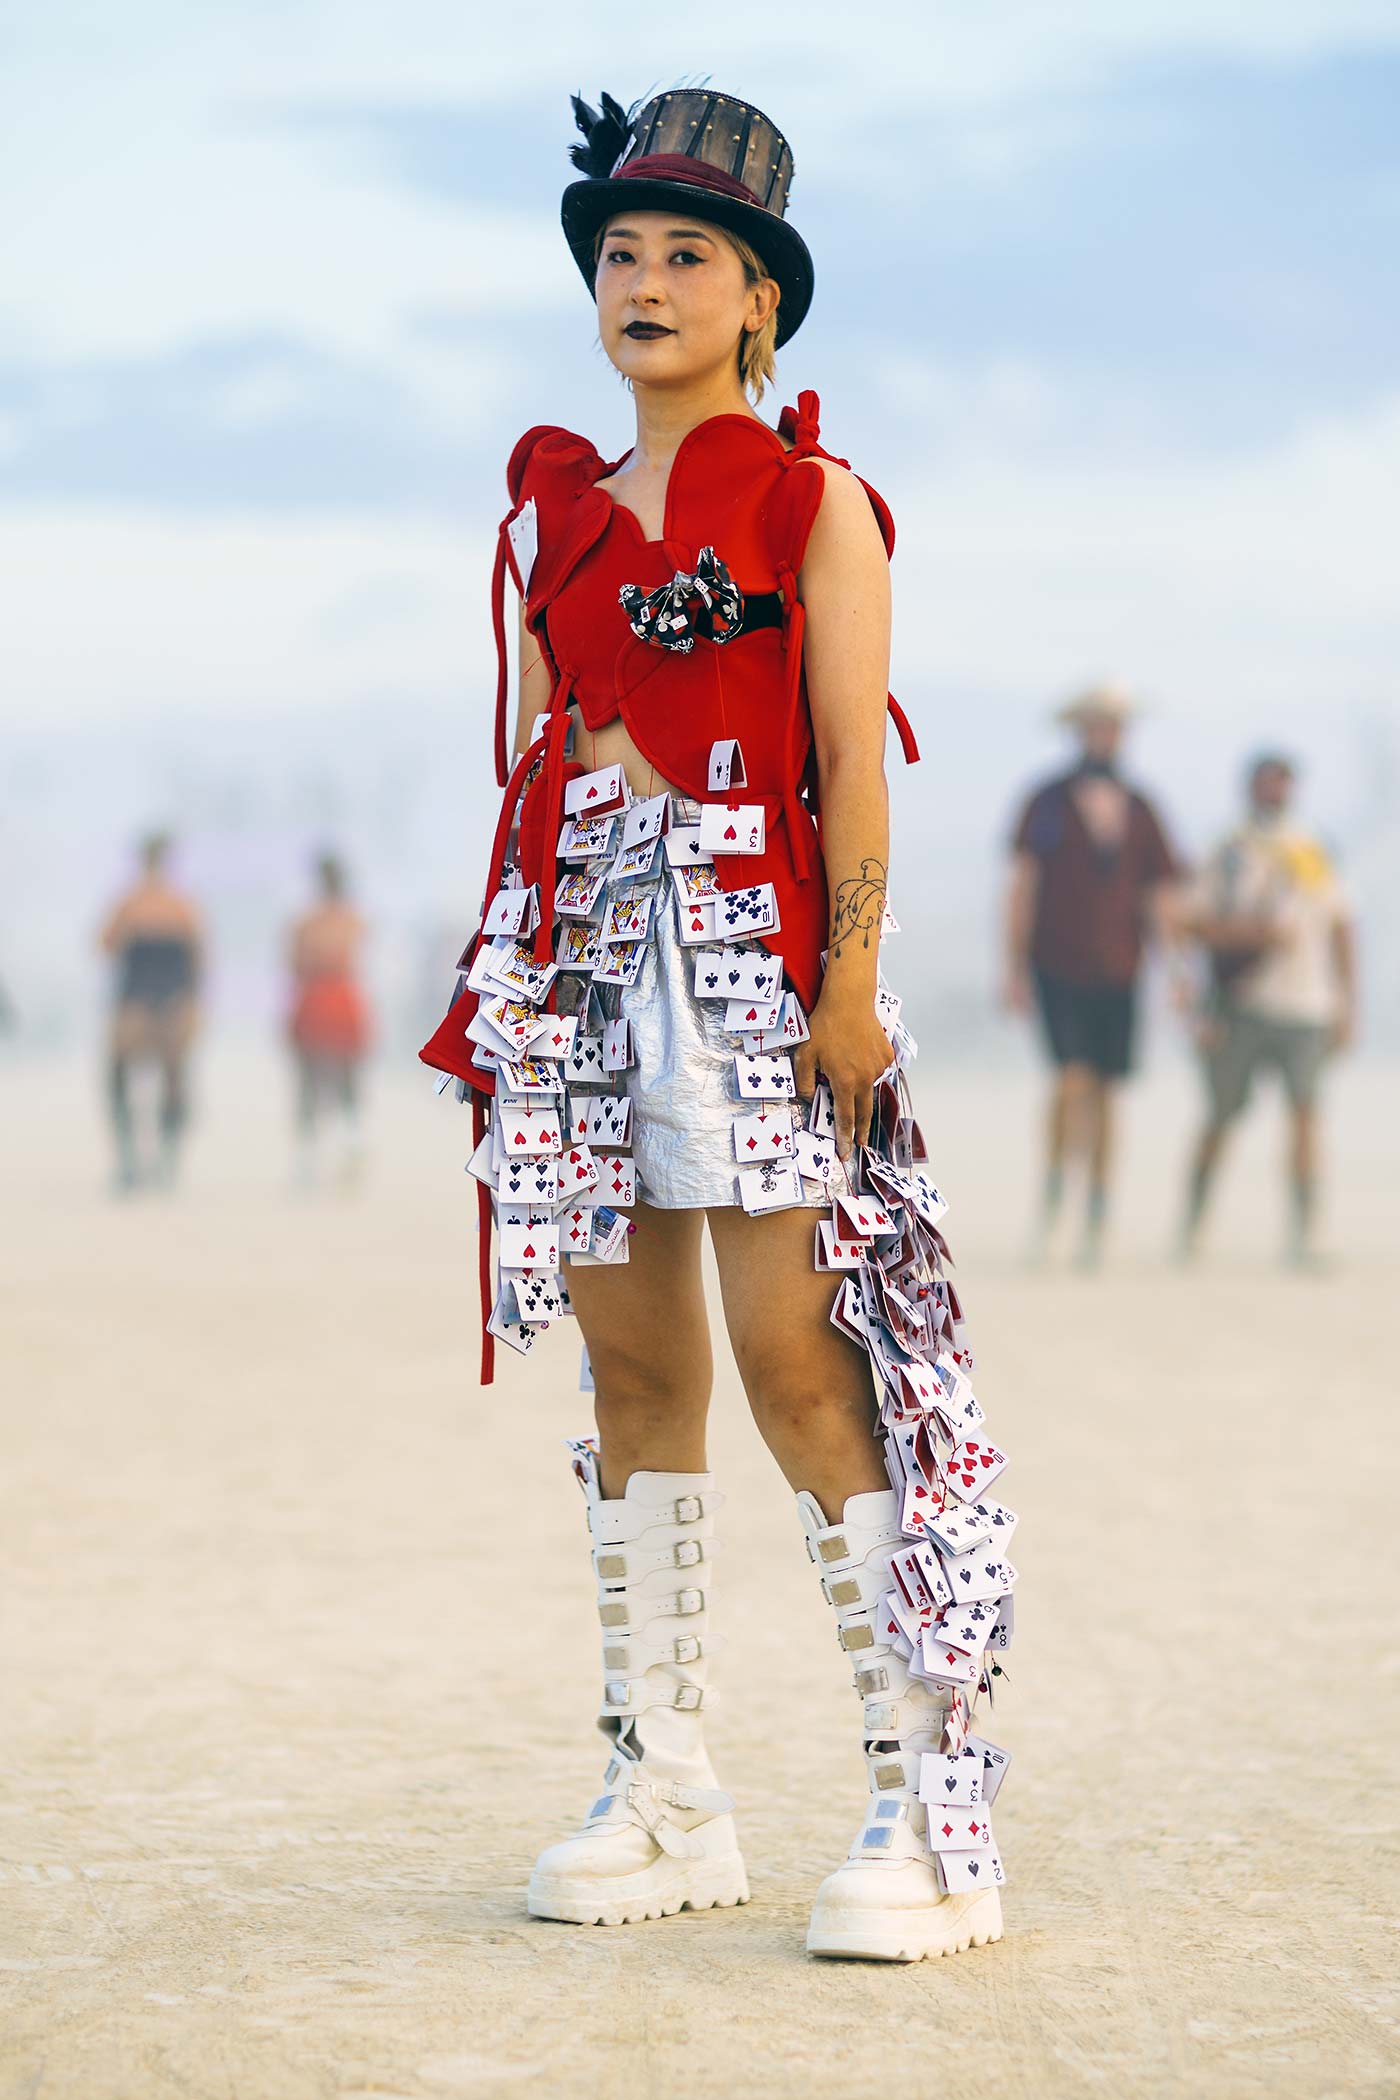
[[860, 906]]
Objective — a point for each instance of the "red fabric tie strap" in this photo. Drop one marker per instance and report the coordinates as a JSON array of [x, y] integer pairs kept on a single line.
[[498, 628], [483, 1252], [901, 721], [556, 738], [799, 830]]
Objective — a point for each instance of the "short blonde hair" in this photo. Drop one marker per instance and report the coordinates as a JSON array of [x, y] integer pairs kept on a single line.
[[757, 346]]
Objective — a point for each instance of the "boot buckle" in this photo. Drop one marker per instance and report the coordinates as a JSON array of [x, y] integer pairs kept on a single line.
[[689, 1509]]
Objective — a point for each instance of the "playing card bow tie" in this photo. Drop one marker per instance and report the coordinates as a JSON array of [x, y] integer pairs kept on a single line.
[[709, 603]]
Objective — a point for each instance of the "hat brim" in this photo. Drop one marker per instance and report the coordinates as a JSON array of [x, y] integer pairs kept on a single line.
[[588, 205]]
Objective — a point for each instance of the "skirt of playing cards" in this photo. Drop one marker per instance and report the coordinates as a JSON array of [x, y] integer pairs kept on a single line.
[[650, 1061]]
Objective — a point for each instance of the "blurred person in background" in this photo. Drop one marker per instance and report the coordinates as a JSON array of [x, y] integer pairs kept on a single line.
[[1276, 927], [330, 1025], [1091, 878], [156, 940]]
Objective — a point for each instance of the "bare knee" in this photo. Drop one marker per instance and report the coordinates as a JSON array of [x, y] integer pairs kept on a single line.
[[636, 1390], [793, 1403]]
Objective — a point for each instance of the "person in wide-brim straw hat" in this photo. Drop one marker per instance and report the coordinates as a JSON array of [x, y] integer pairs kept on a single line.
[[673, 1021], [1091, 879], [1101, 702]]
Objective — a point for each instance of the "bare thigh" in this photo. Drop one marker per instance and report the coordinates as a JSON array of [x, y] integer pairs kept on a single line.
[[649, 1346], [777, 1308]]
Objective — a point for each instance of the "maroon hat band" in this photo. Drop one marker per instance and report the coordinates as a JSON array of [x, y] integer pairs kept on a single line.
[[695, 174]]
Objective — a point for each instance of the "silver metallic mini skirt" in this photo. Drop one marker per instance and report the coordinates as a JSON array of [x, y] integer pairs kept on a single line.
[[682, 1081]]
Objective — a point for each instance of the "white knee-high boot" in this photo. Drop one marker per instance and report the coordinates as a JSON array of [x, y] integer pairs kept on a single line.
[[885, 1903], [660, 1837]]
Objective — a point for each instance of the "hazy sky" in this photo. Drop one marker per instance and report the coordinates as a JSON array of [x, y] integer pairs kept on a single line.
[[1106, 304]]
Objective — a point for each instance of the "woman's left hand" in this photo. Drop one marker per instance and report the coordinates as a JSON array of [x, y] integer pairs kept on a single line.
[[850, 1050]]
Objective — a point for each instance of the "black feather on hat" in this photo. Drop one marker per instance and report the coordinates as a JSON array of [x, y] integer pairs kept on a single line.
[[709, 155]]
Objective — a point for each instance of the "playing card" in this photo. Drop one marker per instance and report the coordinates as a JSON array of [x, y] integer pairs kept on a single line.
[[792, 1022], [532, 1077], [978, 1575], [764, 1136], [958, 1529], [742, 913], [530, 1131], [994, 1763], [610, 1235], [749, 1016], [507, 1326], [697, 884], [959, 1871], [578, 1173], [1005, 1626], [617, 1179], [905, 1622], [920, 1582], [726, 766], [887, 1009], [513, 911], [732, 827], [951, 1781], [576, 947], [554, 1038], [586, 838], [821, 1117], [646, 820], [609, 1119], [532, 1181], [959, 1826], [816, 1157], [511, 1023], [585, 1059], [483, 1163], [746, 975], [620, 962], [578, 893], [590, 794], [695, 922], [765, 1078], [835, 1253], [944, 1664], [523, 533], [617, 1045], [967, 1626], [634, 861], [860, 1217], [528, 1239], [539, 1295], [683, 845], [627, 917], [776, 1185], [973, 1466], [576, 1229]]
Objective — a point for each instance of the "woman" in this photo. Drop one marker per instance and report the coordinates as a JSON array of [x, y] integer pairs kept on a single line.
[[156, 939], [652, 1047], [330, 1023]]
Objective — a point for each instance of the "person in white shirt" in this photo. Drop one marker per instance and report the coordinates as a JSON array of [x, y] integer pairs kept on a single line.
[[1274, 920]]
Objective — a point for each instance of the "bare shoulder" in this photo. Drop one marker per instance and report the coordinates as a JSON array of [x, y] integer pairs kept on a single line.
[[845, 524]]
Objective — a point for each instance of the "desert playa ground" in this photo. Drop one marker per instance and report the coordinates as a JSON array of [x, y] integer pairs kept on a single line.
[[299, 1650]]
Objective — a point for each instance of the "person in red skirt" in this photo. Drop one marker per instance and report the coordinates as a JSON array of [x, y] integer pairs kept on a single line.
[[672, 1020], [329, 1026]]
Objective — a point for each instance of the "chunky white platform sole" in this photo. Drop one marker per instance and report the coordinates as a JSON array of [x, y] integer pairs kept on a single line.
[[949, 1927], [657, 1891]]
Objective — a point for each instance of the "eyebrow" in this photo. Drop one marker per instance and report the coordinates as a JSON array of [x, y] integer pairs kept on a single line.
[[672, 233]]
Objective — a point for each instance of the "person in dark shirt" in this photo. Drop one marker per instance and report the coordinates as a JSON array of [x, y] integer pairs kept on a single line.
[[156, 941], [1091, 877]]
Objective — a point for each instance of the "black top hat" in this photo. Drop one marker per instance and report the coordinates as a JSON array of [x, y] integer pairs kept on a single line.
[[706, 154]]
